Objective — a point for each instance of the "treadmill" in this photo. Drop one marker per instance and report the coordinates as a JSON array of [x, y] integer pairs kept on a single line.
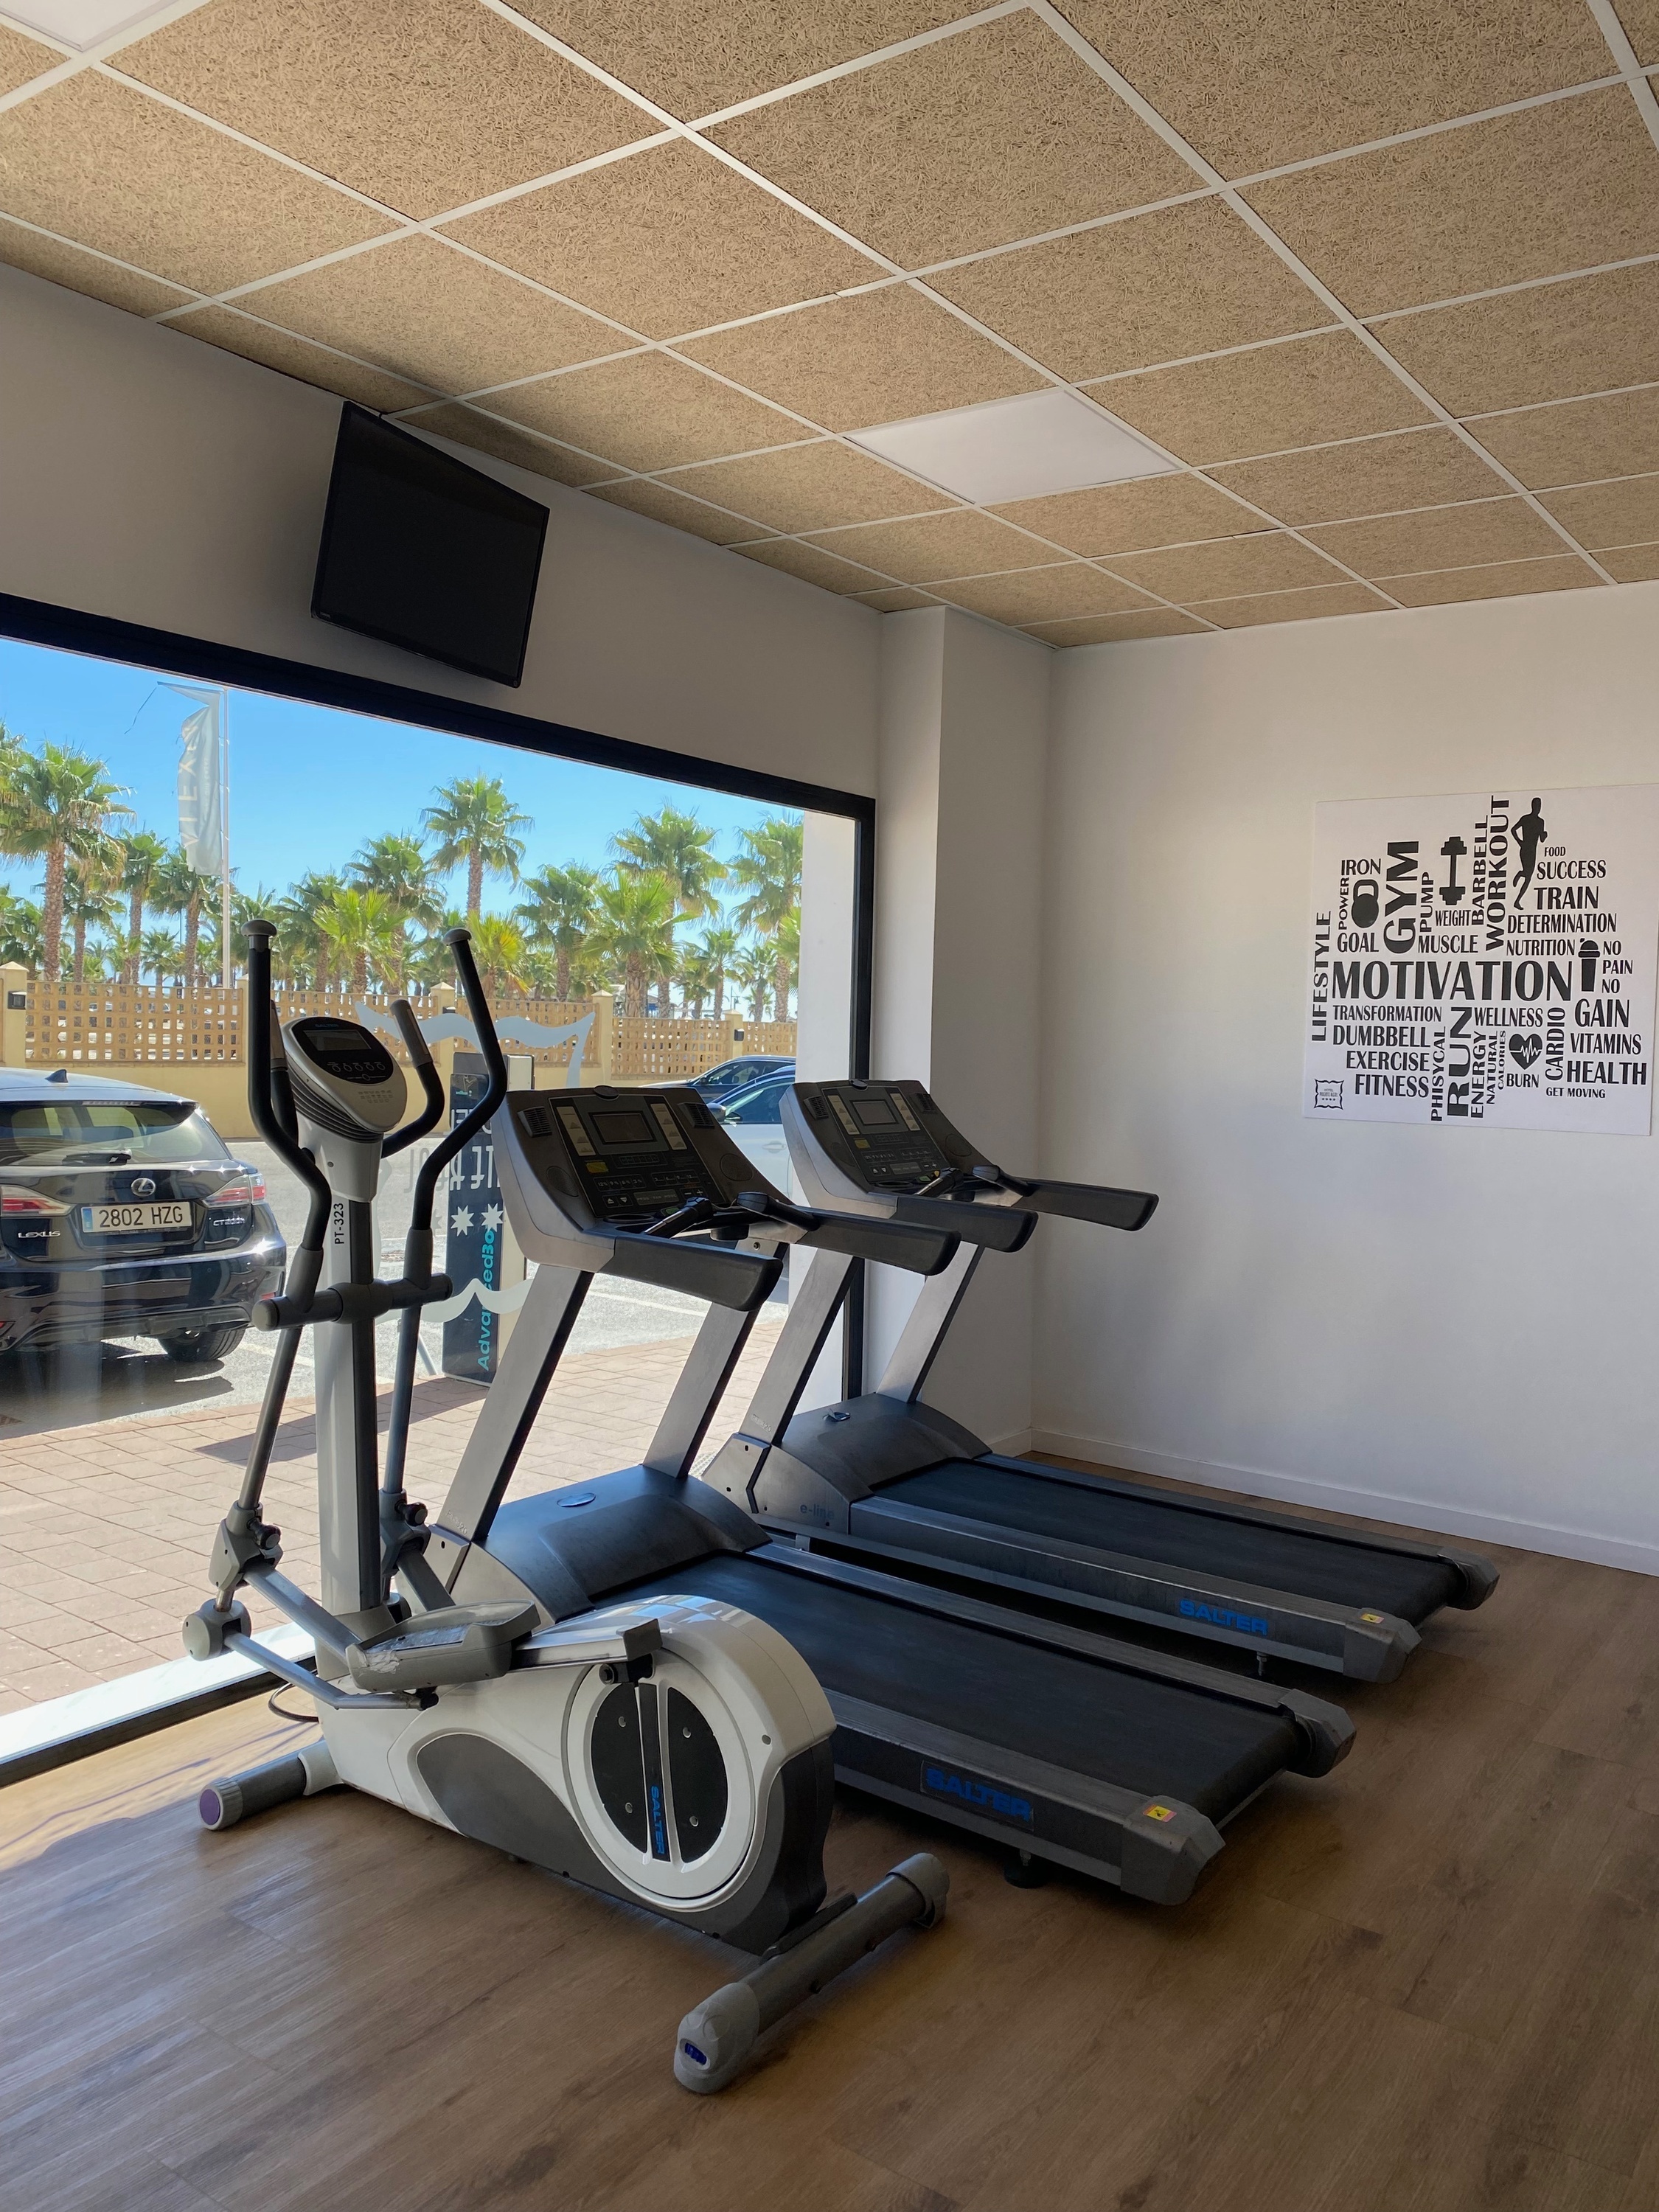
[[883, 1479], [1052, 1741]]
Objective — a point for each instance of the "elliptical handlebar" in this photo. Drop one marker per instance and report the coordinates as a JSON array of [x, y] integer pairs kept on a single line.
[[268, 1119], [420, 1057], [418, 1245]]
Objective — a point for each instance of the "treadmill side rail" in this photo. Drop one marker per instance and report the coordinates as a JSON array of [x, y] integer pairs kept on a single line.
[[1155, 1848], [1362, 1644]]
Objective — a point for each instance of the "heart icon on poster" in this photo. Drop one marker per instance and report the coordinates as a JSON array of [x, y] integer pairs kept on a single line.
[[1523, 1050]]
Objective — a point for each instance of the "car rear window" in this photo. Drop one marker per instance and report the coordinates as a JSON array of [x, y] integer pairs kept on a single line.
[[98, 1133]]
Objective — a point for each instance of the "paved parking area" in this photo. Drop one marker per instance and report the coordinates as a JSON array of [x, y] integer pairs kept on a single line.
[[105, 1526]]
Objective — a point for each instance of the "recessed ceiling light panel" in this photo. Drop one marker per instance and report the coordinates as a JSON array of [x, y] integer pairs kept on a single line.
[[79, 23], [1023, 449]]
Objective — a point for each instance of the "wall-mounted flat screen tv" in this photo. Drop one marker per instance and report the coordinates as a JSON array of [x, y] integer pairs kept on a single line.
[[424, 552]]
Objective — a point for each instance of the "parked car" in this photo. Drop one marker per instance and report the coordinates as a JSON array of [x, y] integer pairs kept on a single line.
[[753, 1119], [123, 1213], [734, 1075]]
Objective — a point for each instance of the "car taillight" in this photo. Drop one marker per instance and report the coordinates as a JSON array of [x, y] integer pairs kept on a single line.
[[242, 1190], [14, 1199]]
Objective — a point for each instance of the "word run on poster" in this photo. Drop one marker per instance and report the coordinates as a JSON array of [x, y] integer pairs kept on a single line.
[[1485, 959]]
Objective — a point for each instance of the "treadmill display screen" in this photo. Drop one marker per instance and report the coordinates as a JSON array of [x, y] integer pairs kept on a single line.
[[875, 1113], [623, 1128]]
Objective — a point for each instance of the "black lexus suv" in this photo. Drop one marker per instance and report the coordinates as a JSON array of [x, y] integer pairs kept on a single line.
[[122, 1213]]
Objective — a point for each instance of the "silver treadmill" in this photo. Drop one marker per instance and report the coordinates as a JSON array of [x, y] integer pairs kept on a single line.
[[883, 1479], [1055, 1742]]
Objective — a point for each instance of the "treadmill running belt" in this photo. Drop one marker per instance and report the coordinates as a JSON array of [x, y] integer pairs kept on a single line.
[[1159, 1738], [1146, 1527]]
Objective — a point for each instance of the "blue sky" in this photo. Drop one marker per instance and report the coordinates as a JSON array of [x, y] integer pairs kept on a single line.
[[310, 784]]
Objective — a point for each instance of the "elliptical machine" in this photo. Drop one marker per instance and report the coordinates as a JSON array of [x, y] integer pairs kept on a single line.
[[673, 1750]]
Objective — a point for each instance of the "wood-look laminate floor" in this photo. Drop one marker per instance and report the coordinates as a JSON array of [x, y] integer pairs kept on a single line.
[[1428, 1983]]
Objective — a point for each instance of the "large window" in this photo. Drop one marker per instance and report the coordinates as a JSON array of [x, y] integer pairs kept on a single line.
[[632, 927]]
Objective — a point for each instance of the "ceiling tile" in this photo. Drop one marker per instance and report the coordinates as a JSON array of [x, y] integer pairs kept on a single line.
[[894, 600], [421, 103], [21, 59], [1275, 81], [1508, 580], [1111, 630], [1128, 518], [1304, 393], [61, 264], [1611, 514], [1579, 441], [1268, 562], [693, 57], [645, 412], [434, 315], [1551, 342], [256, 341], [810, 487], [1641, 20], [670, 239], [879, 358], [1294, 606], [468, 427], [1632, 564], [1564, 186], [811, 564], [975, 141], [95, 162], [1439, 537], [962, 544], [644, 495], [1160, 287], [1044, 595], [1370, 475]]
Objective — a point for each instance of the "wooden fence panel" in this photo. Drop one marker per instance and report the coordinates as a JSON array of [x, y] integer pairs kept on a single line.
[[138, 1025]]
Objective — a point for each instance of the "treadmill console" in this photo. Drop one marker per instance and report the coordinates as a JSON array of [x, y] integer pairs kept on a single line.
[[623, 1159], [884, 1136]]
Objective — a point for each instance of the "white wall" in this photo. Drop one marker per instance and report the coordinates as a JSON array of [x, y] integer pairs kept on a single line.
[[1450, 1327], [146, 475], [958, 909]]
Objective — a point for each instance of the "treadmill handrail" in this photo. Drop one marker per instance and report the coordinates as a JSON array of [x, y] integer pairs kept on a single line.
[[714, 1272]]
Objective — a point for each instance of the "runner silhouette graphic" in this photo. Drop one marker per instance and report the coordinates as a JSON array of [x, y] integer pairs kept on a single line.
[[1529, 835]]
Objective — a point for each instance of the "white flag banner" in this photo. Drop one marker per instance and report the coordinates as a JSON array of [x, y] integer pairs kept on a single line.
[[201, 819], [1487, 957]]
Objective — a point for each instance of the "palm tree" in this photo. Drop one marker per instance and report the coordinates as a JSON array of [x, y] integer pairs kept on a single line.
[[718, 950], [769, 869], [636, 929], [365, 933], [475, 821], [752, 971], [677, 847], [786, 962], [178, 888], [22, 939], [142, 858], [695, 979], [302, 945], [160, 953], [558, 909], [90, 900], [499, 951], [397, 867], [56, 803]]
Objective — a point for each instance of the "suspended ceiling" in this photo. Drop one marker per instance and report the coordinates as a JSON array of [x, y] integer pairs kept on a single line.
[[1381, 277]]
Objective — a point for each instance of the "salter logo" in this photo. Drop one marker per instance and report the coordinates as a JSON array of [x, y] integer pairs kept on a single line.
[[1220, 1617], [977, 1794]]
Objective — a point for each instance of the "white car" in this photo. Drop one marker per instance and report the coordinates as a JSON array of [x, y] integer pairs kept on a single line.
[[753, 1119]]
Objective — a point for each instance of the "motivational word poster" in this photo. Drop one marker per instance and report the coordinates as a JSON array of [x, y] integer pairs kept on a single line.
[[1487, 957]]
